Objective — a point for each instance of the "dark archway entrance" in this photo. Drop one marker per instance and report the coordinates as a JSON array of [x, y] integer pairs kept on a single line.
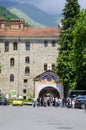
[[49, 91]]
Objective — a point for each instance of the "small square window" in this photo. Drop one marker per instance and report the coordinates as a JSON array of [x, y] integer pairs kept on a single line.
[[24, 97], [25, 80], [24, 91], [11, 77]]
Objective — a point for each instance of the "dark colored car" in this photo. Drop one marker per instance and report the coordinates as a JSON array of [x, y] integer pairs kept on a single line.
[[80, 102], [4, 101]]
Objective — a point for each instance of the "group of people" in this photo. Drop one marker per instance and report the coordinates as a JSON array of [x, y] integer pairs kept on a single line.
[[54, 101], [48, 101]]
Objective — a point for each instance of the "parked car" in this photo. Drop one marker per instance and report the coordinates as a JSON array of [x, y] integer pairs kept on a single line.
[[80, 102], [17, 102], [4, 101]]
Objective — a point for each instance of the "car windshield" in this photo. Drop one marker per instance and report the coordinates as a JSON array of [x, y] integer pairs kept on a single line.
[[81, 97]]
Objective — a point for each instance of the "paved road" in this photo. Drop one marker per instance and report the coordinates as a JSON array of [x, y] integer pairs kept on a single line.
[[43, 118]]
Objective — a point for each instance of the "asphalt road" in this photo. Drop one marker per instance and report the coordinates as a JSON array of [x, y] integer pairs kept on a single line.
[[42, 118]]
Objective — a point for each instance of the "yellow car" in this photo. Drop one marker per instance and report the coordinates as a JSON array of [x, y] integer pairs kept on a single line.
[[17, 102]]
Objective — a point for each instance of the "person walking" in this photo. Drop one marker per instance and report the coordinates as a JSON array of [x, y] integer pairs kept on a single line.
[[34, 102], [56, 102], [68, 102]]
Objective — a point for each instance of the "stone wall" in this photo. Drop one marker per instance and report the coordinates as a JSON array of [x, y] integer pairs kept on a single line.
[[38, 54]]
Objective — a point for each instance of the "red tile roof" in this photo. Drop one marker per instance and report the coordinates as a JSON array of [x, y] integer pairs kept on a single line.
[[31, 32]]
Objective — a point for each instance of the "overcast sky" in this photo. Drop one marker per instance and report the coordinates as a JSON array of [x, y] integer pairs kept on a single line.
[[50, 6]]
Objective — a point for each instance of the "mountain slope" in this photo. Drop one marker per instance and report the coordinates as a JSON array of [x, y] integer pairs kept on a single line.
[[27, 19], [32, 12], [4, 13]]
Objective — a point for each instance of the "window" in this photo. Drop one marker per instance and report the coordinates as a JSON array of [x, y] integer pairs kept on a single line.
[[53, 66], [45, 43], [53, 43], [24, 97], [28, 46], [0, 68], [15, 47], [25, 80], [27, 70], [27, 59], [45, 67], [24, 91], [6, 46], [11, 77], [12, 62]]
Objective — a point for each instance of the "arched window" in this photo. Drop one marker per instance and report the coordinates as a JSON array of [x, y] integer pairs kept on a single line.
[[53, 66], [11, 77], [27, 59], [27, 70], [12, 62], [45, 67]]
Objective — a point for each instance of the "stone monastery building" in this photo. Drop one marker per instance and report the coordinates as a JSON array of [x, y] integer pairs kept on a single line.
[[27, 59]]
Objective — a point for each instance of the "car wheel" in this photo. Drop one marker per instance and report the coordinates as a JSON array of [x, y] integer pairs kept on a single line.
[[83, 106]]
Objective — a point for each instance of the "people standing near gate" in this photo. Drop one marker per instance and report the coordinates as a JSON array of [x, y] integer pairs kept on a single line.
[[34, 102], [63, 102], [53, 101], [38, 102], [68, 102], [56, 102], [60, 102]]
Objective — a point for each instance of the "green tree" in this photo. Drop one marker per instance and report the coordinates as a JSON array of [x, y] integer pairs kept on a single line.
[[65, 66], [80, 50]]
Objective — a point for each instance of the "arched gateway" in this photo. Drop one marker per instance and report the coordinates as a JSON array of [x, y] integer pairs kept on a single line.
[[49, 91], [48, 83]]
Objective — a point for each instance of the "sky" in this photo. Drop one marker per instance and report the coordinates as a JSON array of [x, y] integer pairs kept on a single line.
[[50, 6]]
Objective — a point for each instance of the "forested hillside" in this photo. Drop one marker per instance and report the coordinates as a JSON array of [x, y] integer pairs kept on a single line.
[[4, 13], [32, 13]]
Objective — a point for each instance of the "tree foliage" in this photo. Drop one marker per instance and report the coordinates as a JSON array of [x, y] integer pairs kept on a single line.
[[70, 12], [80, 50], [65, 66]]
